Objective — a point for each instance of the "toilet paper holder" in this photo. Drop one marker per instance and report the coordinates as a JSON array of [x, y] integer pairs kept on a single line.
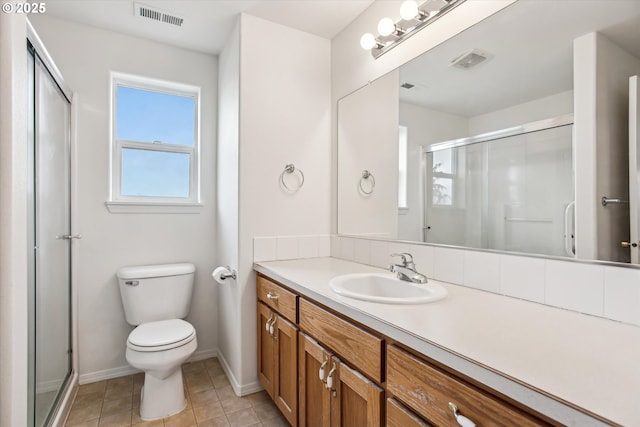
[[223, 273], [230, 274]]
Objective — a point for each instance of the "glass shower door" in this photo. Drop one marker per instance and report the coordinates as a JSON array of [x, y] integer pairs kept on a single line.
[[51, 304]]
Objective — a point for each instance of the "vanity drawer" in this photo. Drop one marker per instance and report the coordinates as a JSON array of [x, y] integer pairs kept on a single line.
[[353, 344], [427, 390], [399, 416], [278, 298]]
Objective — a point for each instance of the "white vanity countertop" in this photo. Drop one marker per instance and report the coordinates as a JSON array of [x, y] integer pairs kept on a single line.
[[543, 355]]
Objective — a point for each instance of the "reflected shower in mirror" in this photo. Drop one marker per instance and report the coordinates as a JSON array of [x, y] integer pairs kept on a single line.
[[514, 131]]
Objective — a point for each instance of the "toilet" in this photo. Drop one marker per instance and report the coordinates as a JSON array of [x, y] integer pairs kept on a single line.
[[156, 299]]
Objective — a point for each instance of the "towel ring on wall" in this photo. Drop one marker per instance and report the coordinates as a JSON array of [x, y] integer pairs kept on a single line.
[[367, 176], [289, 169]]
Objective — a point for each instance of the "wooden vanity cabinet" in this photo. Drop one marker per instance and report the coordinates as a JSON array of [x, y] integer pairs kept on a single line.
[[323, 370], [427, 390], [278, 346], [333, 394]]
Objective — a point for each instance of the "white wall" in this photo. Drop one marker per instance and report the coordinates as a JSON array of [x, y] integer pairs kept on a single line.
[[85, 56], [548, 107], [601, 80], [13, 221], [228, 170], [368, 130], [284, 111]]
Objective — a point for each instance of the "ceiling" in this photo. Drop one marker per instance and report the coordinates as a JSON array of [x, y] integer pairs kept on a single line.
[[530, 50], [207, 23]]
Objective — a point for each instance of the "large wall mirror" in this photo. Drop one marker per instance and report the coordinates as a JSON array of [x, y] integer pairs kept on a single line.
[[512, 136]]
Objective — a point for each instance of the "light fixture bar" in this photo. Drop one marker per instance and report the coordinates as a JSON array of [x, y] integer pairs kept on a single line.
[[407, 28]]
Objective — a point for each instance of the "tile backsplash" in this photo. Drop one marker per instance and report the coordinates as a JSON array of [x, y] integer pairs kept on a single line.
[[277, 248], [593, 288], [598, 289]]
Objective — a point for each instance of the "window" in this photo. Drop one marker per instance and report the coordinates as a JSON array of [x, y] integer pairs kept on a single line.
[[155, 141], [443, 174], [402, 167]]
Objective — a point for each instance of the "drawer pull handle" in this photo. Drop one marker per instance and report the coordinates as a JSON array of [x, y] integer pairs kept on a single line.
[[461, 419], [272, 297], [329, 385], [321, 370]]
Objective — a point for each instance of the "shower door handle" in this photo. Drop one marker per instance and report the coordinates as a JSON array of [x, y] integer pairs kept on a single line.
[[69, 236]]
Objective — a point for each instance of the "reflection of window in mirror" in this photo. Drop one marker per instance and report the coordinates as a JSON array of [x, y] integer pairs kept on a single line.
[[443, 176], [402, 169]]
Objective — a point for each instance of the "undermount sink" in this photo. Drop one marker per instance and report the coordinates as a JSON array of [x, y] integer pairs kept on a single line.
[[386, 289]]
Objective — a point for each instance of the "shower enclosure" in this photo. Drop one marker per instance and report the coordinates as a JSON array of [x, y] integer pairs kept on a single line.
[[508, 190], [50, 239]]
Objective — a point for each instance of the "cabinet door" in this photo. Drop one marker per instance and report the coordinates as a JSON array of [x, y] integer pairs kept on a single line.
[[285, 388], [266, 365], [314, 402], [355, 401]]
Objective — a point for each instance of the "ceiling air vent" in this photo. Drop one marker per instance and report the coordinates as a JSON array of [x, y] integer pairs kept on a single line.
[[149, 12], [470, 59], [407, 85]]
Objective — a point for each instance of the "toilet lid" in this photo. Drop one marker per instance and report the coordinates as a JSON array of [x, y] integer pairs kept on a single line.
[[163, 334]]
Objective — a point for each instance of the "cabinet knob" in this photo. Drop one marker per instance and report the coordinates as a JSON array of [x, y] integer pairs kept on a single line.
[[461, 419], [272, 297]]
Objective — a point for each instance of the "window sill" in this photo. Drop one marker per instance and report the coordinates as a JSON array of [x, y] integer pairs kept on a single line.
[[154, 207]]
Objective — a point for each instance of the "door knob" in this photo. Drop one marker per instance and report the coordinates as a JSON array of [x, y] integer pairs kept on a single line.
[[628, 244]]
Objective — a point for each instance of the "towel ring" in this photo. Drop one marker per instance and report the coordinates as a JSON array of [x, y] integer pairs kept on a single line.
[[289, 169], [366, 176]]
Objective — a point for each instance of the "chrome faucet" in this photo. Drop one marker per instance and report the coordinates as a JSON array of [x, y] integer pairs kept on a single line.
[[407, 270]]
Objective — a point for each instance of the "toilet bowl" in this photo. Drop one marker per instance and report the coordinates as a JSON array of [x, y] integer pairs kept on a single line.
[[159, 349], [156, 298]]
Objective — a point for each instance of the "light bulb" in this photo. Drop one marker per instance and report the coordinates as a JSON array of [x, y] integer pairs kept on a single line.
[[409, 10], [386, 27], [367, 41]]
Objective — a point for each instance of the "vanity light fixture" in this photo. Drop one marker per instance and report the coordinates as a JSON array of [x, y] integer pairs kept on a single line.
[[413, 19]]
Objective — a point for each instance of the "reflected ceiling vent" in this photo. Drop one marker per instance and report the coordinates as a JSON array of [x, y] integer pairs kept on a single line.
[[149, 12], [406, 85], [470, 59]]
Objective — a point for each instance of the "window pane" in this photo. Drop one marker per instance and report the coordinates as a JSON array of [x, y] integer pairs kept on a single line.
[[402, 167], [442, 161], [147, 116], [154, 173], [442, 191]]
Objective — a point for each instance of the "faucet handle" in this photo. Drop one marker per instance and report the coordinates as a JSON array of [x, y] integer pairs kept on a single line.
[[407, 258]]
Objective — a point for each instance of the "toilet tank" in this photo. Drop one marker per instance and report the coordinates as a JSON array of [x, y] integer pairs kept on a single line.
[[156, 292]]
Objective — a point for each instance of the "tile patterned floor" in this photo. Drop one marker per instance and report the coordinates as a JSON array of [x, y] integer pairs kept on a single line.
[[211, 402]]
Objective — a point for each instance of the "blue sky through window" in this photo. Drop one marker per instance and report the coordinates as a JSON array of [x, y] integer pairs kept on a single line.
[[154, 173], [148, 116]]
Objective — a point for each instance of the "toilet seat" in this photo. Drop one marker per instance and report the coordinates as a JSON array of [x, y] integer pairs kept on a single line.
[[160, 336]]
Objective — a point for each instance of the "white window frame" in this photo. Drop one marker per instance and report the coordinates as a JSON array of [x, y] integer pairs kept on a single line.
[[119, 203]]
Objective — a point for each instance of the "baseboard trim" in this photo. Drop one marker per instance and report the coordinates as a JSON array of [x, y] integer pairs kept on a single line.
[[122, 371], [107, 374], [238, 389], [203, 354]]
